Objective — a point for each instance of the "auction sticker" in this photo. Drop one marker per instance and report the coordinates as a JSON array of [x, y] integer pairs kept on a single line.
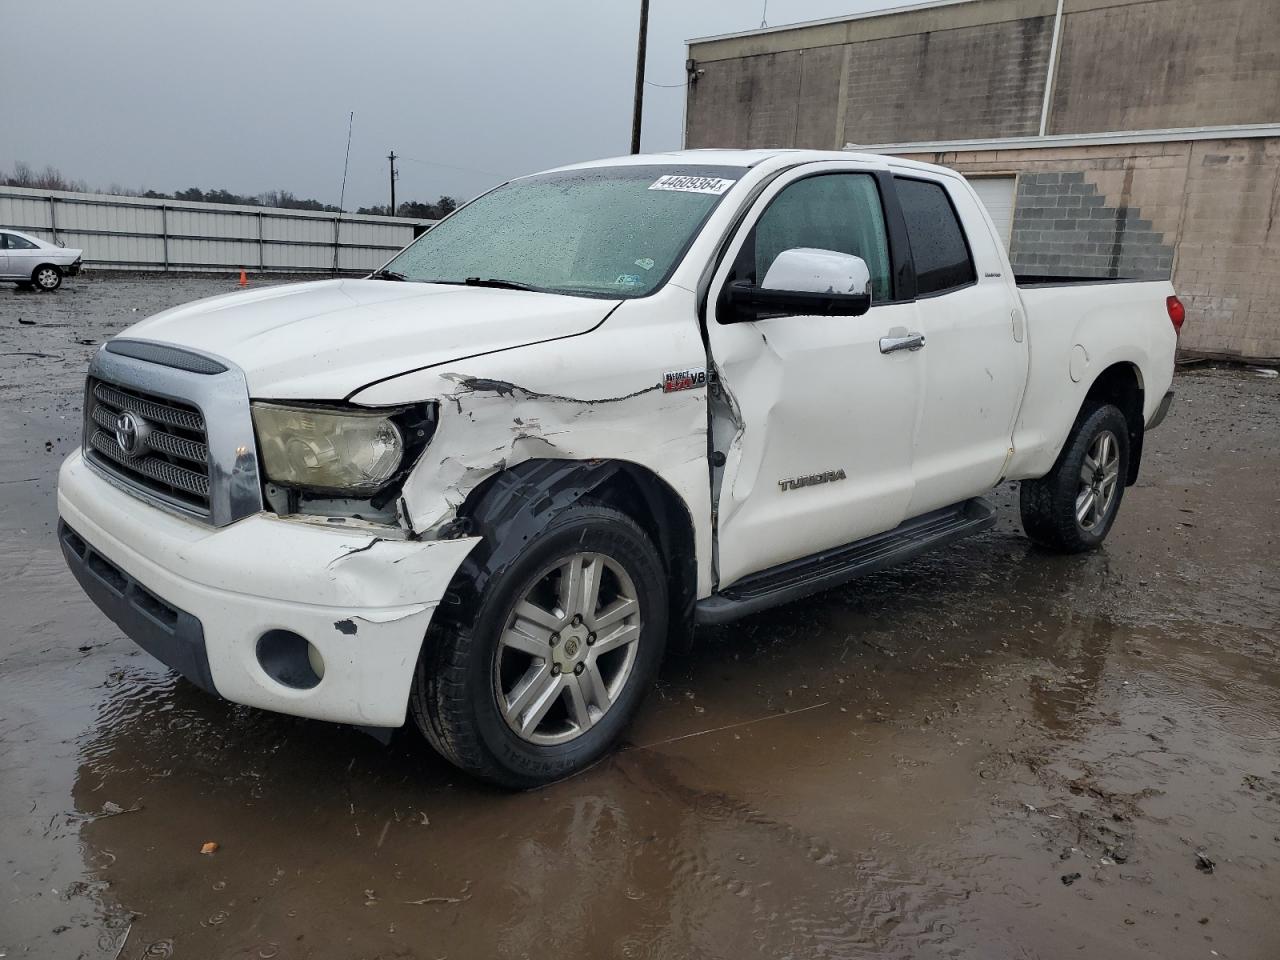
[[684, 184]]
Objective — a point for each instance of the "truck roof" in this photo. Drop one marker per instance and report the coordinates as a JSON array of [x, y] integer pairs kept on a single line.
[[718, 156]]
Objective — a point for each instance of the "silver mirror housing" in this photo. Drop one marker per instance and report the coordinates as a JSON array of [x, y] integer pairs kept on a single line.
[[810, 270]]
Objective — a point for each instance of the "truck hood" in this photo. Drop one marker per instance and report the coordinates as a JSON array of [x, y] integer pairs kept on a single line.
[[327, 339]]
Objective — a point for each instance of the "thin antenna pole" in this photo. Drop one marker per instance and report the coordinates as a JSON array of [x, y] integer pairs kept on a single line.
[[638, 109], [342, 196], [764, 15]]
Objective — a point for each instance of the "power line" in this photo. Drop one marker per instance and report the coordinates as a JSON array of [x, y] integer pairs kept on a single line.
[[667, 86]]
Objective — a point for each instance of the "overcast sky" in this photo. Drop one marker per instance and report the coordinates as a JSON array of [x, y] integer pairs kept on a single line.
[[253, 95]]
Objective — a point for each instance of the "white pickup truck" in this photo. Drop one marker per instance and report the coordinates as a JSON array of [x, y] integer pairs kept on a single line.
[[589, 410]]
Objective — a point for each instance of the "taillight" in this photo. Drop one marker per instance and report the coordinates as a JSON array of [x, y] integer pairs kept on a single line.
[[1177, 313]]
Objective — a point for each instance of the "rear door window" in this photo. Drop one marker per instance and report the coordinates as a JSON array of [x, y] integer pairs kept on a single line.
[[938, 244]]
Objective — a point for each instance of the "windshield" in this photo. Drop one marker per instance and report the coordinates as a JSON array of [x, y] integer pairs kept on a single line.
[[613, 232]]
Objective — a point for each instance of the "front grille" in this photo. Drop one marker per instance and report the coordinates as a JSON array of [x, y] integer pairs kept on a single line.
[[172, 459]]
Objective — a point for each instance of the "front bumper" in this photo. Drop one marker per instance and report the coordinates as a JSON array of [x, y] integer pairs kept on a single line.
[[74, 269], [200, 597]]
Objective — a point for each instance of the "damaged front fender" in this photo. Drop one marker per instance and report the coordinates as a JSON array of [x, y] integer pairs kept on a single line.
[[598, 397]]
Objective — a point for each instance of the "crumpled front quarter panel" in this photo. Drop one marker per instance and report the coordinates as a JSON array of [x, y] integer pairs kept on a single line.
[[596, 396]]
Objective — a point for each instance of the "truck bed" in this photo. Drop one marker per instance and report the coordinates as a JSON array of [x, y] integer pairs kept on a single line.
[[1055, 280]]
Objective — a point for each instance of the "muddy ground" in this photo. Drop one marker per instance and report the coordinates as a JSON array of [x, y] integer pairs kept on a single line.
[[990, 753]]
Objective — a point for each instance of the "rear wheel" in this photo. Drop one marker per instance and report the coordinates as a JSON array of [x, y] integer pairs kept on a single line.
[[541, 677], [47, 277], [1072, 508]]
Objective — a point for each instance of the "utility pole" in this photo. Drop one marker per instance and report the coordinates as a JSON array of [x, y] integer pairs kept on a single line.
[[394, 176], [638, 109]]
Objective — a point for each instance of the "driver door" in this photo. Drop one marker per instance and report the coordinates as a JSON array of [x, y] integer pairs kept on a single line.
[[816, 424]]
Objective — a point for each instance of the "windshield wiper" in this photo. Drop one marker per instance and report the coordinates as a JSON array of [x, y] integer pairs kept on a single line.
[[500, 284], [387, 275]]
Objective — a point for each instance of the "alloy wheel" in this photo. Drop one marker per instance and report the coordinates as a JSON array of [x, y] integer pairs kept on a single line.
[[567, 649], [1099, 481]]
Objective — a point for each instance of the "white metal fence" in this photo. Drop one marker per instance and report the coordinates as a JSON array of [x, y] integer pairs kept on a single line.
[[135, 233]]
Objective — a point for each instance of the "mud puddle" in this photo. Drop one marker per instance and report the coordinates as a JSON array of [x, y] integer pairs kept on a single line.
[[989, 753]]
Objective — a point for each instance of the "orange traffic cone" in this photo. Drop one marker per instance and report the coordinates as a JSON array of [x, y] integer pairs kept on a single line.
[[244, 281]]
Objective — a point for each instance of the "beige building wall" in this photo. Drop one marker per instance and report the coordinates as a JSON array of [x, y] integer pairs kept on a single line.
[[1205, 210], [977, 70], [1214, 204], [878, 79], [1161, 64]]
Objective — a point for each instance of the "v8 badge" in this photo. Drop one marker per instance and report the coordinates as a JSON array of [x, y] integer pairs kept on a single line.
[[674, 381]]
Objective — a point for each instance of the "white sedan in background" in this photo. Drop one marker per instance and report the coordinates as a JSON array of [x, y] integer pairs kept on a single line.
[[29, 260]]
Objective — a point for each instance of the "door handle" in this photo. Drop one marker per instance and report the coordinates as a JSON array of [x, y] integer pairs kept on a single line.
[[912, 342]]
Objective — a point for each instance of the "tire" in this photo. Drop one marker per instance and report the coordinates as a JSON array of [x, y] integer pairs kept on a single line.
[[479, 686], [47, 277], [1071, 508]]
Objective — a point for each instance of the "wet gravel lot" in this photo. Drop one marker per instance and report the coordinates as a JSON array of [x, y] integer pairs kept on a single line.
[[989, 753]]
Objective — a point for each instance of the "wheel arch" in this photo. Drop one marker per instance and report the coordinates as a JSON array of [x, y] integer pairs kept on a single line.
[[508, 508], [1121, 385]]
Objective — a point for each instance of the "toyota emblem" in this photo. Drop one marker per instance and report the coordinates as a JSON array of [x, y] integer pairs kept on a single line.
[[129, 433]]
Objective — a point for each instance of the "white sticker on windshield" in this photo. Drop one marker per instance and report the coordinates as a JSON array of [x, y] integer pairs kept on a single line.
[[712, 185]]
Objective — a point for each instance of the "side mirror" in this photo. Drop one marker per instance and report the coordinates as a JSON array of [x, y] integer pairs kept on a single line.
[[803, 281]]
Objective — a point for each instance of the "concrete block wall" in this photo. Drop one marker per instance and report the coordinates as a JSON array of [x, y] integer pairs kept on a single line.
[[1208, 211], [1063, 224]]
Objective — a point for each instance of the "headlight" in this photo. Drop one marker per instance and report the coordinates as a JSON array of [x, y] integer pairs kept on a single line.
[[340, 450]]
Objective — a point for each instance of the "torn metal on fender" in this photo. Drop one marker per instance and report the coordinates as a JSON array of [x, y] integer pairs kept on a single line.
[[674, 381], [814, 478]]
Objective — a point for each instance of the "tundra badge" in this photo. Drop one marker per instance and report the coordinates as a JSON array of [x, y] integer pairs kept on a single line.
[[814, 478]]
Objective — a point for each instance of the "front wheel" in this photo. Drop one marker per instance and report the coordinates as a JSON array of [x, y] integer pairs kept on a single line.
[[541, 677], [1072, 508], [47, 277]]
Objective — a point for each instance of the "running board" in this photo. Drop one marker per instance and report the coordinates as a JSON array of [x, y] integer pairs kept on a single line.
[[821, 571]]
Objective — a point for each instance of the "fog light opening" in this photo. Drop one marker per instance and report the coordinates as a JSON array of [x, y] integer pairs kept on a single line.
[[316, 661], [289, 659]]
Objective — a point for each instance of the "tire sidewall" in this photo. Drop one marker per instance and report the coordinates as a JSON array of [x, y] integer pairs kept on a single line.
[[583, 528]]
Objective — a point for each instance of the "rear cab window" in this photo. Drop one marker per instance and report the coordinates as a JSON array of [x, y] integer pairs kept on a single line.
[[943, 260]]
